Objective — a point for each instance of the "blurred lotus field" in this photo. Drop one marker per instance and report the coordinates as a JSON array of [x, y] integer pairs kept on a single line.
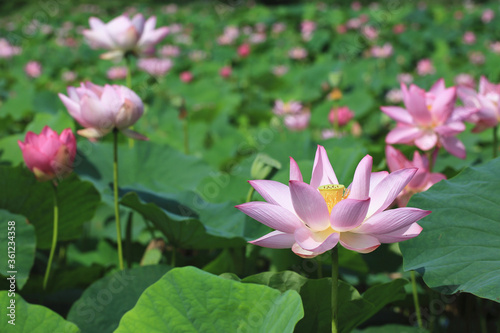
[[230, 92]]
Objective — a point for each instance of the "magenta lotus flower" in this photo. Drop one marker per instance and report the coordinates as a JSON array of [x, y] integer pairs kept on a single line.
[[49, 155], [487, 102], [122, 35], [312, 218], [101, 109], [423, 178], [341, 116], [429, 120]]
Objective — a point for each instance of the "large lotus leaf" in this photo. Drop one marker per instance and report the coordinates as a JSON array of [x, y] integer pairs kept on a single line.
[[24, 195], [30, 318], [102, 305], [459, 247], [354, 308], [190, 300], [23, 237]]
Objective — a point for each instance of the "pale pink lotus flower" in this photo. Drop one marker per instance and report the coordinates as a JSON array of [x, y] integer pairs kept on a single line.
[[487, 102], [477, 58], [244, 50], [399, 28], [423, 178], [102, 109], [328, 134], [370, 32], [425, 67], [354, 23], [170, 51], [7, 50], [283, 108], [465, 80], [175, 28], [405, 78], [122, 35], [278, 28], [225, 71], [487, 15], [469, 37], [186, 76], [307, 29], [257, 38], [230, 34], [155, 66], [297, 53], [280, 70], [430, 119], [297, 121], [382, 51], [340, 115], [394, 96], [313, 218], [117, 73], [495, 47], [49, 155], [68, 76], [33, 69], [356, 6]]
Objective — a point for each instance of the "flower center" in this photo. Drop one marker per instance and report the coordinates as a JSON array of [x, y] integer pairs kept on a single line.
[[333, 194]]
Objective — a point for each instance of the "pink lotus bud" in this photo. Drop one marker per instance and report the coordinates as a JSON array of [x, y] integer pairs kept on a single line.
[[341, 115], [102, 109], [122, 35], [225, 71], [49, 155], [487, 15], [186, 77], [33, 69], [7, 50], [469, 37], [425, 67], [244, 50]]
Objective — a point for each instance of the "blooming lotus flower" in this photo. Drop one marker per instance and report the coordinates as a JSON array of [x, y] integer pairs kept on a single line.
[[430, 119], [7, 50], [117, 73], [423, 178], [298, 121], [487, 102], [225, 71], [312, 218], [122, 35], [101, 109], [33, 69], [425, 67], [186, 76], [155, 66], [282, 108], [49, 155], [244, 50]]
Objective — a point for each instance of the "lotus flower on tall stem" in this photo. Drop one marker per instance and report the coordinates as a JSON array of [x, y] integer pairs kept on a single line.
[[102, 110], [50, 157], [313, 218]]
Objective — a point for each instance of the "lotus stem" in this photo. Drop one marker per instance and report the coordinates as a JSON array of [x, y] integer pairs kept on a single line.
[[115, 190], [54, 238], [250, 194], [415, 299], [335, 288]]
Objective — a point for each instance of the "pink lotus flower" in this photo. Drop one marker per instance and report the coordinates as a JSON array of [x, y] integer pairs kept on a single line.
[[49, 155], [487, 102], [122, 35], [341, 116], [117, 73], [278, 28], [170, 51], [68, 76], [307, 29], [430, 119], [477, 58], [495, 47], [298, 53], [101, 109], [406, 78], [425, 67], [33, 69], [283, 108], [225, 71], [280, 70], [423, 178], [244, 50], [487, 15], [7, 50], [155, 66], [382, 51], [298, 121], [399, 28], [465, 80], [469, 37], [186, 76], [312, 218], [394, 96], [370, 32]]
